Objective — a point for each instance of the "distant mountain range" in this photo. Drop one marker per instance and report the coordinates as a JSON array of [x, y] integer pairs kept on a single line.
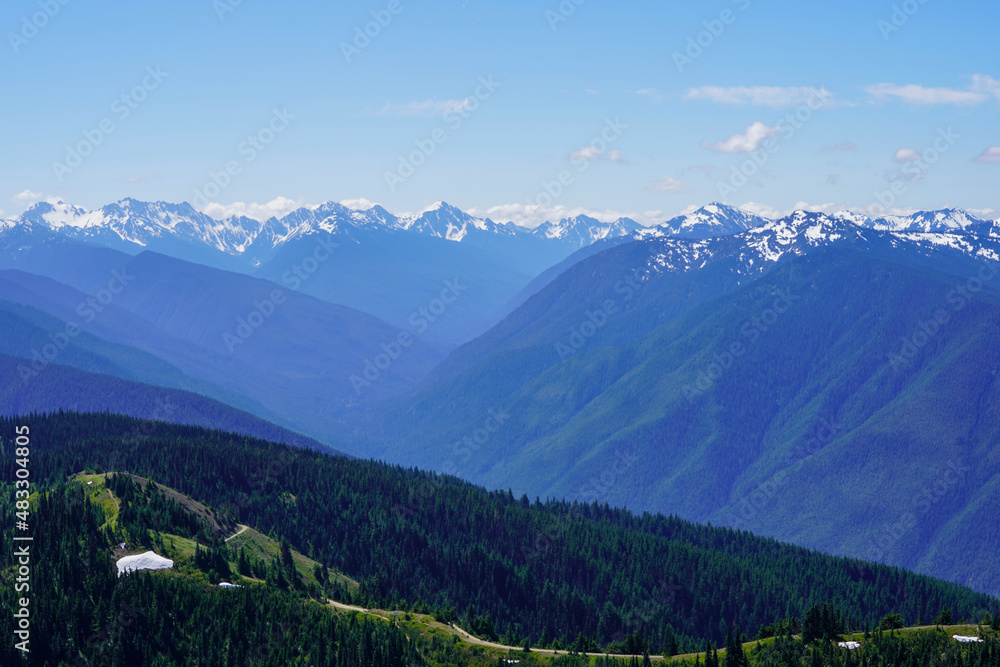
[[500, 263], [414, 254], [132, 226], [587, 339]]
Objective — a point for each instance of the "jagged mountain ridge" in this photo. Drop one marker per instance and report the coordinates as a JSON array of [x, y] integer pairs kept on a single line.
[[138, 225]]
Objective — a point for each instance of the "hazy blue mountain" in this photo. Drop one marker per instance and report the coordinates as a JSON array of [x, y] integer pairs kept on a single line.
[[62, 387], [630, 350], [286, 356]]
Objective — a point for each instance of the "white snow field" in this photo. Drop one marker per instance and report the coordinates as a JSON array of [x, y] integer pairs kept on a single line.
[[145, 561]]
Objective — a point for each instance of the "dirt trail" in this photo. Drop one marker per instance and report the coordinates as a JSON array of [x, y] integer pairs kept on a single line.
[[238, 532], [472, 639]]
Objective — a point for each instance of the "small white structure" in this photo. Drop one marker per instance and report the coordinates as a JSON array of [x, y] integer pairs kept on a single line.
[[225, 584], [965, 639], [850, 646], [146, 561]]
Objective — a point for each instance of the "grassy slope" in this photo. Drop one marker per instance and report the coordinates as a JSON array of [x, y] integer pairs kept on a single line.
[[182, 549]]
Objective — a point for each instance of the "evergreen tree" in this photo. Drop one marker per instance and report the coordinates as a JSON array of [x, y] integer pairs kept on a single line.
[[943, 617]]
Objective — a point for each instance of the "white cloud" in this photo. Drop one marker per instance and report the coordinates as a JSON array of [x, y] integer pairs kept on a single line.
[[767, 96], [763, 210], [767, 211], [425, 108], [743, 143], [984, 213], [923, 96], [359, 204], [669, 184], [990, 156], [532, 215], [585, 153], [872, 210], [590, 91], [651, 93], [907, 156], [26, 196], [985, 84], [277, 207], [588, 153]]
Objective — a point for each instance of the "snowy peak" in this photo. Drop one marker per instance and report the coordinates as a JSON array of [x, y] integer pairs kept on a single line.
[[144, 223], [713, 221], [582, 230], [443, 221], [754, 250], [131, 224], [53, 215], [797, 232], [946, 220]]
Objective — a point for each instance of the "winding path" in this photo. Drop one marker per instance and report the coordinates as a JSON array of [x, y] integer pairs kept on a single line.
[[238, 532]]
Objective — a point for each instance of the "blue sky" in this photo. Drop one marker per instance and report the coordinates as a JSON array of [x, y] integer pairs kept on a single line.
[[518, 110]]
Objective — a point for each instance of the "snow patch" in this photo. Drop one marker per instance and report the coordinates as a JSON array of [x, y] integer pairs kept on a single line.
[[145, 561]]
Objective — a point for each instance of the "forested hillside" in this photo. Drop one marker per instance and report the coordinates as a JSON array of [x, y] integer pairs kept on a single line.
[[511, 568], [83, 614], [857, 421]]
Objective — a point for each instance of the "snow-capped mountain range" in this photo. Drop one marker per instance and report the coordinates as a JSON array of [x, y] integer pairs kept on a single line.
[[754, 251], [143, 223], [133, 225]]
